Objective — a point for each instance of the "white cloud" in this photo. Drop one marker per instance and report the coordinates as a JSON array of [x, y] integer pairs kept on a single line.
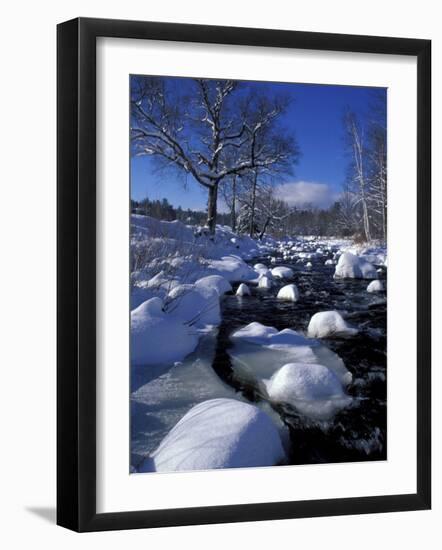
[[302, 193]]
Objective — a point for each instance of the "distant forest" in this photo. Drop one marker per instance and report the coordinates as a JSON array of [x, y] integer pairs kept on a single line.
[[297, 221]]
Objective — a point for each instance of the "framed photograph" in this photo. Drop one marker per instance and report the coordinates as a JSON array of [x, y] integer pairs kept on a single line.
[[243, 274]]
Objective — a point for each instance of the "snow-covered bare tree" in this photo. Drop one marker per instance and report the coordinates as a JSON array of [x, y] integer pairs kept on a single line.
[[358, 175], [219, 130], [230, 190], [377, 133]]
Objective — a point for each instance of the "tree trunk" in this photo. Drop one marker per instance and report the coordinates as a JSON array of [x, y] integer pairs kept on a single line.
[[211, 208], [252, 205], [233, 209], [264, 229], [366, 220]]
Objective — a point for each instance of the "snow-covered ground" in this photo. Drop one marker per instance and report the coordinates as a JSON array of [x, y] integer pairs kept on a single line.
[[178, 280]]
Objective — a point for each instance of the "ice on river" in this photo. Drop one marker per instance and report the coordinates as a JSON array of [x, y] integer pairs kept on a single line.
[[329, 324], [218, 433], [162, 395], [259, 352]]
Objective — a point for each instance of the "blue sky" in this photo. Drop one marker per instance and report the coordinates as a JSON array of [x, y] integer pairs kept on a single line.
[[315, 118]]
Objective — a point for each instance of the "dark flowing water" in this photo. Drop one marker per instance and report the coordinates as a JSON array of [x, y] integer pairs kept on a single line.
[[358, 432]]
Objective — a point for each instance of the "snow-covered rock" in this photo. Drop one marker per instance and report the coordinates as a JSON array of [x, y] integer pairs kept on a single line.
[[329, 324], [303, 381], [232, 268], [259, 351], [243, 290], [218, 433], [288, 292], [265, 282], [375, 286], [194, 304], [328, 262], [158, 338], [138, 295], [308, 264], [350, 266], [282, 272], [311, 388], [260, 267], [220, 284]]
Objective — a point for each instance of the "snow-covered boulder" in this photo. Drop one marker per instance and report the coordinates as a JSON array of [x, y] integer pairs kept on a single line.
[[350, 266], [260, 267], [303, 381], [233, 268], [308, 264], [158, 338], [138, 295], [375, 286], [282, 272], [196, 304], [313, 389], [243, 290], [259, 351], [328, 262], [288, 292], [220, 284], [218, 433], [329, 324], [265, 282]]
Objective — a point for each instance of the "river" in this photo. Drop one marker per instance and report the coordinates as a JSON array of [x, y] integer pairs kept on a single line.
[[358, 432]]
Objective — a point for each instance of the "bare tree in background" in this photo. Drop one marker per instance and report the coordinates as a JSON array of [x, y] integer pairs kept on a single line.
[[359, 176], [215, 133], [378, 161], [230, 189]]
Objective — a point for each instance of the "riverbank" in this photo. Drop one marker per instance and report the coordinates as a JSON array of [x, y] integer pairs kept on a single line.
[[193, 281]]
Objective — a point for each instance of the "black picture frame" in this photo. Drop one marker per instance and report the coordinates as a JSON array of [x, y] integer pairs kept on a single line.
[[76, 274]]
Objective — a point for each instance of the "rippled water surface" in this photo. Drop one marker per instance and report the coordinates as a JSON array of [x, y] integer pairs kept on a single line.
[[358, 432]]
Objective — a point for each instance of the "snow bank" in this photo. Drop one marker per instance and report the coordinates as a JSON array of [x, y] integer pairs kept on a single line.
[[158, 338], [218, 433], [376, 286], [220, 284], [243, 290], [350, 266], [288, 292], [282, 272], [198, 305], [329, 324]]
